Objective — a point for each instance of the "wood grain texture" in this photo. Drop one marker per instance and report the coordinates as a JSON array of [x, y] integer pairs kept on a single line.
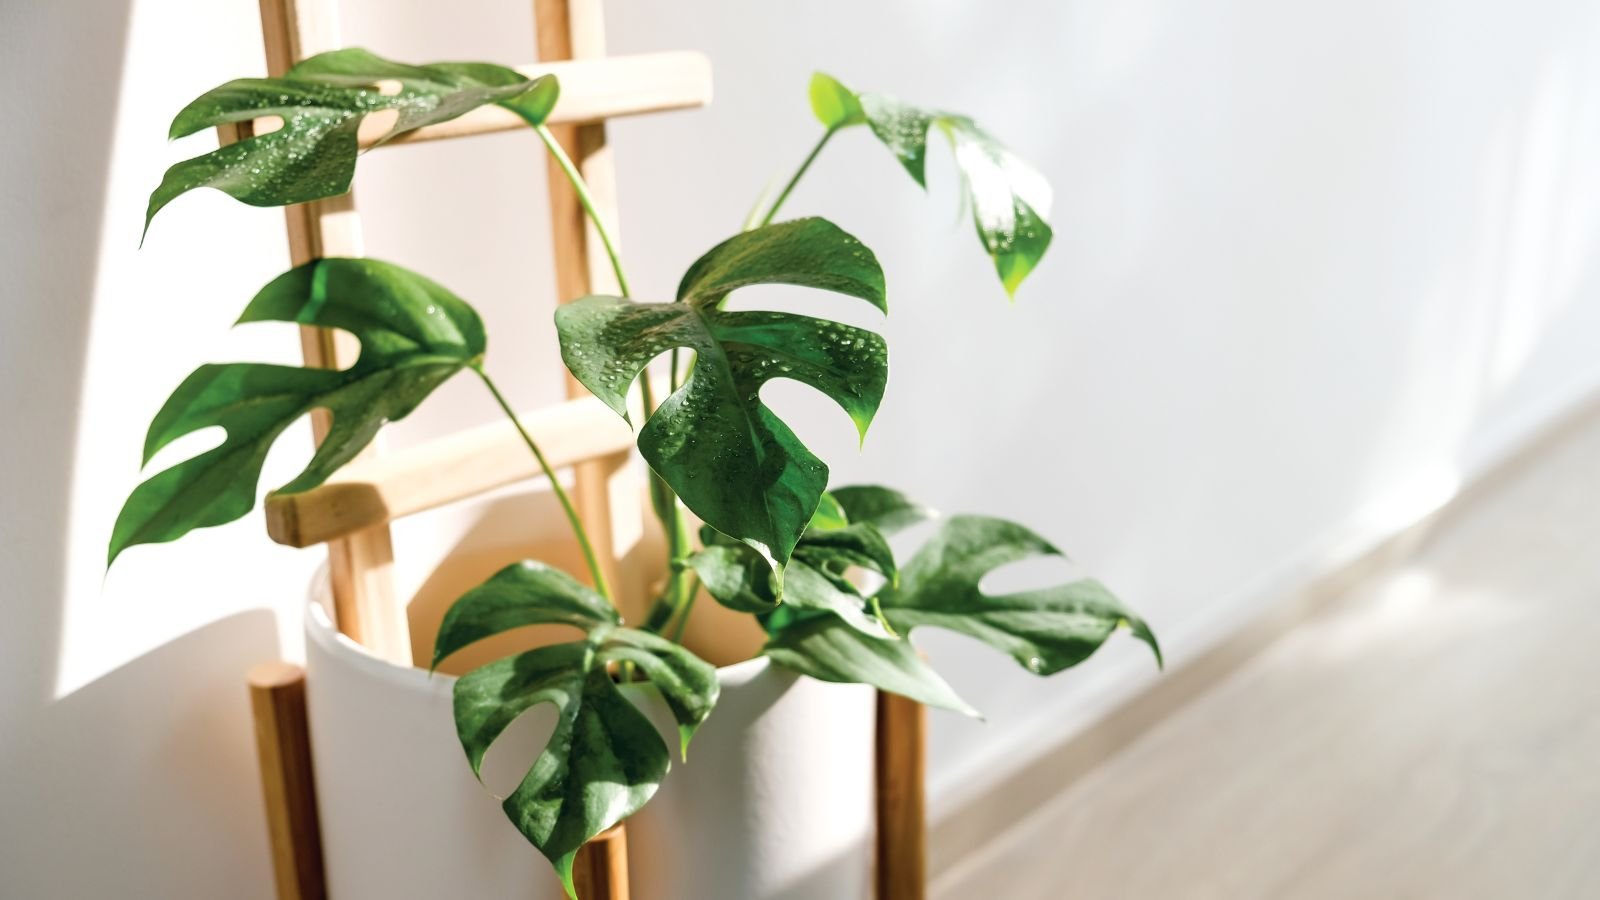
[[380, 489], [360, 565], [601, 869], [575, 30], [283, 746], [902, 861], [1429, 732]]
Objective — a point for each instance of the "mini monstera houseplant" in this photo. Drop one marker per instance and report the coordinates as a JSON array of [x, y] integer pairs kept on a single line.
[[811, 562]]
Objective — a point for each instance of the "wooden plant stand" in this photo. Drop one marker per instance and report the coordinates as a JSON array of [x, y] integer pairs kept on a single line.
[[352, 511]]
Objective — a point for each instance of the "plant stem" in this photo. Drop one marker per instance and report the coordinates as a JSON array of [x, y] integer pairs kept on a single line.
[[784, 194], [581, 187], [578, 530], [662, 499]]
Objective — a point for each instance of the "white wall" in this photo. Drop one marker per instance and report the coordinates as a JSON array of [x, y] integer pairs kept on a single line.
[[1315, 264]]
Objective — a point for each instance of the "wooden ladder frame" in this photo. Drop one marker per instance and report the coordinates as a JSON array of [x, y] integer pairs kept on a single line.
[[351, 512]]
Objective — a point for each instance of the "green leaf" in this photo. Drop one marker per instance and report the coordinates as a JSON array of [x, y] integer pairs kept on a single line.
[[859, 544], [887, 509], [322, 102], [1010, 199], [414, 335], [734, 463], [834, 104], [604, 760], [825, 648], [738, 578], [1046, 630], [829, 514], [527, 593]]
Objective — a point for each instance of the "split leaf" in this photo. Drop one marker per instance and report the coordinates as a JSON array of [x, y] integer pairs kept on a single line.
[[734, 463], [1010, 199], [322, 102], [414, 336], [1046, 630], [604, 760]]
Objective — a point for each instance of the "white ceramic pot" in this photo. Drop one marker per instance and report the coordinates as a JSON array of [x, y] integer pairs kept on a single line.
[[774, 804]]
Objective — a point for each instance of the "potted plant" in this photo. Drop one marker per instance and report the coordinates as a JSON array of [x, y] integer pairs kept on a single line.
[[810, 563]]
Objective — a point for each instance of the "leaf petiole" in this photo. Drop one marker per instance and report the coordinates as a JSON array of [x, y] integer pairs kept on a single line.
[[578, 530]]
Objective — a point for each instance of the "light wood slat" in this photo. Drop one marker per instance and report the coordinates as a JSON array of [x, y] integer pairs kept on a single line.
[[380, 489], [902, 828], [283, 744], [359, 566], [601, 869], [592, 90], [575, 30]]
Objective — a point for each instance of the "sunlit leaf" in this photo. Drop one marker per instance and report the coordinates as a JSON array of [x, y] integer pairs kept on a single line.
[[414, 335], [322, 102], [885, 508], [1046, 629], [604, 760], [1010, 199], [734, 463], [822, 646]]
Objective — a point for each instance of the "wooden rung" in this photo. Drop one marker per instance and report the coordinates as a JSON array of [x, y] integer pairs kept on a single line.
[[394, 485], [592, 90], [278, 705]]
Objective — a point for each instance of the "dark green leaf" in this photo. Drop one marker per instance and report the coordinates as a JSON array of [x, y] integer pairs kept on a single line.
[[322, 102], [604, 760], [834, 104], [738, 578], [858, 544], [1010, 199], [524, 593], [825, 648], [733, 462], [809, 252], [414, 335], [888, 509], [1046, 630]]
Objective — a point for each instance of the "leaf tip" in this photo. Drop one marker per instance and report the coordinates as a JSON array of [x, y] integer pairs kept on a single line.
[[563, 867]]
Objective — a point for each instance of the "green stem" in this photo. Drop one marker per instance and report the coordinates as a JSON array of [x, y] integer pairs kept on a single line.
[[800, 172], [584, 197], [663, 500], [683, 617], [555, 484]]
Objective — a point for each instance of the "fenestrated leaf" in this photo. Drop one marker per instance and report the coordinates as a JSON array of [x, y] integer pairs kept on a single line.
[[822, 646], [1046, 630], [604, 760], [526, 593], [322, 102], [414, 335], [885, 508], [733, 462], [1010, 199]]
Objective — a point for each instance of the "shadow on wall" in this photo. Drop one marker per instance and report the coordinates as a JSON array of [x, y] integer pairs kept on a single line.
[[182, 754], [134, 785]]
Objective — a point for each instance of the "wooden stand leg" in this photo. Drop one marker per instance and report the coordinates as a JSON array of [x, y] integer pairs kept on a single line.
[[902, 831], [278, 702], [601, 869]]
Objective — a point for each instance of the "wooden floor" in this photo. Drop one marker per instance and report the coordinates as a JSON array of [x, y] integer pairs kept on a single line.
[[1433, 733]]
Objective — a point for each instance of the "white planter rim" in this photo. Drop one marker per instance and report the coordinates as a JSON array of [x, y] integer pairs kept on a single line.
[[320, 628]]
